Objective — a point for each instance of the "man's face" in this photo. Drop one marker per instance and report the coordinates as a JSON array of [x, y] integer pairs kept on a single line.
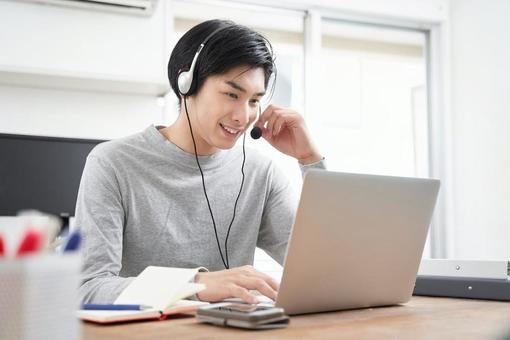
[[225, 107]]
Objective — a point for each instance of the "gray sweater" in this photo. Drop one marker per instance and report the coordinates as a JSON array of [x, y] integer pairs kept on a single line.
[[141, 203]]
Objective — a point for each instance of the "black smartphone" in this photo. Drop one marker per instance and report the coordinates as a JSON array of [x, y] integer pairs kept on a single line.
[[243, 315]]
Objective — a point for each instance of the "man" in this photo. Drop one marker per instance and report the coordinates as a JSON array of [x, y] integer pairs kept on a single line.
[[183, 195]]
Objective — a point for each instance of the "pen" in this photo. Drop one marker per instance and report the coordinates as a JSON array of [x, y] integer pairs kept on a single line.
[[72, 241], [95, 306], [32, 242], [2, 246]]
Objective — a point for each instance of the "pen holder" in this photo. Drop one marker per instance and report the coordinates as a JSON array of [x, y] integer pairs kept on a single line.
[[39, 297]]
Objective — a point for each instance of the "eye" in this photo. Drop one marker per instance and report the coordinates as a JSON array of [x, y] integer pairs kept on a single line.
[[232, 95], [254, 102]]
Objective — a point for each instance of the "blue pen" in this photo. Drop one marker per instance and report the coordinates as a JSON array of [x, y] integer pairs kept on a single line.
[[73, 241], [95, 306]]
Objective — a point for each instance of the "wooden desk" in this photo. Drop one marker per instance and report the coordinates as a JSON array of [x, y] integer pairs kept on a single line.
[[421, 318]]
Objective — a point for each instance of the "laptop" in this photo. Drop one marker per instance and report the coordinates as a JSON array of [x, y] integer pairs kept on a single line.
[[357, 241]]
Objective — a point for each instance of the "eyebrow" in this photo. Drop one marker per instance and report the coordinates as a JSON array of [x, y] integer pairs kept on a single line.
[[238, 87]]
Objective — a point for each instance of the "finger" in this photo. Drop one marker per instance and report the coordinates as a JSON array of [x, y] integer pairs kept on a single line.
[[269, 280], [257, 283], [279, 123], [264, 117], [251, 271], [272, 119], [244, 294]]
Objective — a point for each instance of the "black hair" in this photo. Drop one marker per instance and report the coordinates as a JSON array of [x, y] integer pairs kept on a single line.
[[235, 45]]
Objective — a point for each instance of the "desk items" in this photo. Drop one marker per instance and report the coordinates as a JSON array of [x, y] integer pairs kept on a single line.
[[32, 242], [242, 315], [97, 306], [471, 279], [38, 287], [163, 288]]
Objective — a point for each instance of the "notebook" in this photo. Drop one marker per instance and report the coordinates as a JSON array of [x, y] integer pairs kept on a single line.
[[162, 288]]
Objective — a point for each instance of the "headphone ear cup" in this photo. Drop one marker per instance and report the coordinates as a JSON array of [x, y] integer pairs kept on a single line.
[[184, 82]]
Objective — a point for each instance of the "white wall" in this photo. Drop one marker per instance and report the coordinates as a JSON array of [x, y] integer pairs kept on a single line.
[[61, 113], [481, 125], [88, 45]]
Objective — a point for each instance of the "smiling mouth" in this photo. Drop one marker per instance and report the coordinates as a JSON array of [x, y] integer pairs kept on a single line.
[[229, 130]]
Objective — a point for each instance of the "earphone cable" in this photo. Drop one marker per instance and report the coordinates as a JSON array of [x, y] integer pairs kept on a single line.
[[237, 199], [203, 185], [225, 263]]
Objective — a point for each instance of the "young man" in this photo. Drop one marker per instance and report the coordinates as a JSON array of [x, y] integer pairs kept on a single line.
[[183, 195]]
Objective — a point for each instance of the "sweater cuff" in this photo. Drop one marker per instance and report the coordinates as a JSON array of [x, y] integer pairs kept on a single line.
[[317, 165]]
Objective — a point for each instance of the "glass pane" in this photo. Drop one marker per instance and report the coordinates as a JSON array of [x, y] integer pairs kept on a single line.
[[372, 114]]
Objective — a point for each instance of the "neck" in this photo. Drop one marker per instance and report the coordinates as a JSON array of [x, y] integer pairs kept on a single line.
[[179, 134]]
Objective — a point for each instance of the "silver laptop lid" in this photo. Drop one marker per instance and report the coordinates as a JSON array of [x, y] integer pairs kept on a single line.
[[357, 241]]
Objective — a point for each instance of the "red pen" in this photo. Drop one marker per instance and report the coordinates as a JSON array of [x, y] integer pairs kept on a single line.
[[32, 242], [2, 246]]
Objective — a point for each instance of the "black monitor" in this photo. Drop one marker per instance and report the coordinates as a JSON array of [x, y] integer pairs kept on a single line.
[[41, 173]]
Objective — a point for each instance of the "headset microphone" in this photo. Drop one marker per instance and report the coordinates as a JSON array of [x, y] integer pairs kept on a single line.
[[256, 132]]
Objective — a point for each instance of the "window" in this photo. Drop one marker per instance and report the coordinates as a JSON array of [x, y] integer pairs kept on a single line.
[[371, 115]]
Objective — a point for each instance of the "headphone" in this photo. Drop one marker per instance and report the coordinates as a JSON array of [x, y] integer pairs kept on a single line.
[[184, 84]]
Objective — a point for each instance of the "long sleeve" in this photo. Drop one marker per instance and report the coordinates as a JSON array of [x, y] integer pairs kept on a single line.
[[141, 203], [100, 217], [279, 212]]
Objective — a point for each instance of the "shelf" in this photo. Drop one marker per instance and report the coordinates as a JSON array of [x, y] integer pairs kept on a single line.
[[58, 79]]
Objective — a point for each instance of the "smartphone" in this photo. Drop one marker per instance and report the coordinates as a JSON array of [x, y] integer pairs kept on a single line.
[[243, 315]]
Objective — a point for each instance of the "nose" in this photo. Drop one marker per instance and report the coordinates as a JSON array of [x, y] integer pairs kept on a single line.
[[243, 113]]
